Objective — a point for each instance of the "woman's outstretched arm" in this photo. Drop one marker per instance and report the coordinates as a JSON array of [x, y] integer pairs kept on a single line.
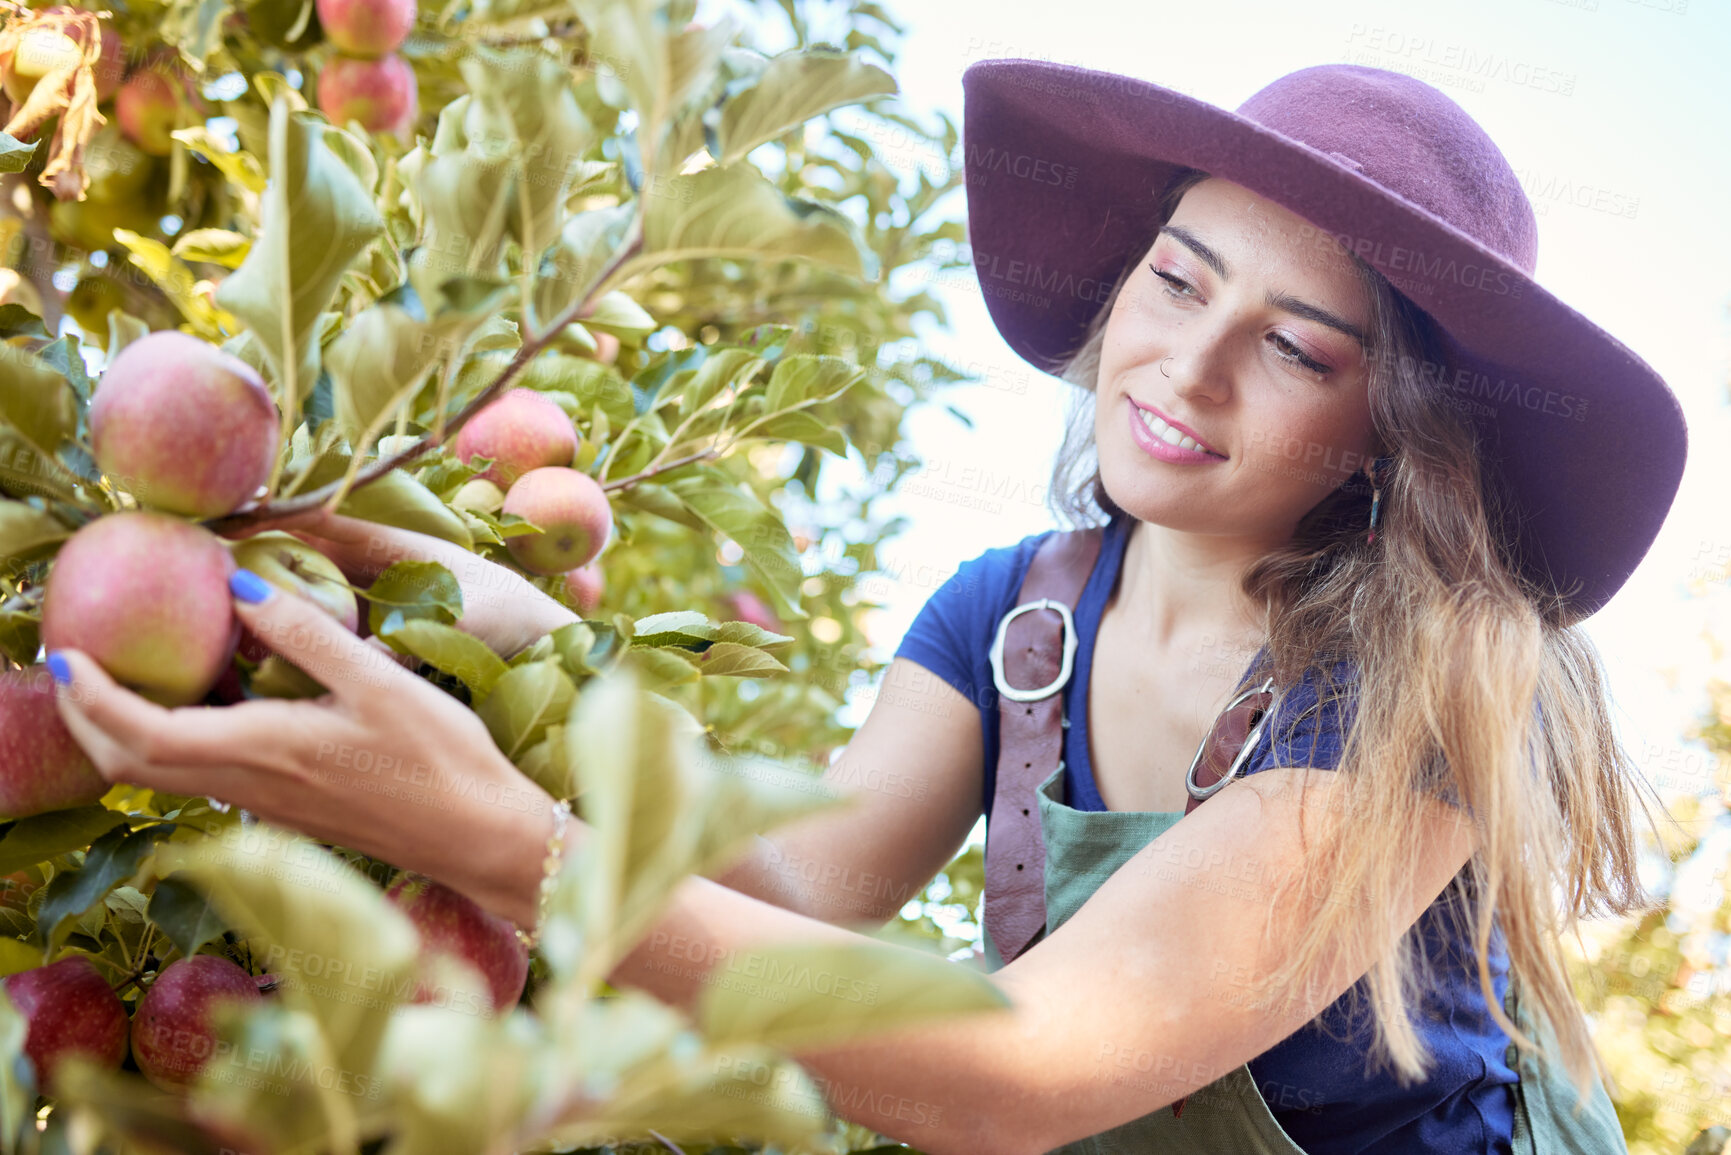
[[1140, 999]]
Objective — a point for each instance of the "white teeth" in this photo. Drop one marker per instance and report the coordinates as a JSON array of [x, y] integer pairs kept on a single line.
[[1168, 434]]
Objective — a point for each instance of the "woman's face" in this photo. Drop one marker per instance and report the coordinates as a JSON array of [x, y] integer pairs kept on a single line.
[[1254, 313]]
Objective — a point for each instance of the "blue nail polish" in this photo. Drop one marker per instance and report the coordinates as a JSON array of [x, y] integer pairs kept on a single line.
[[58, 667], [248, 586]]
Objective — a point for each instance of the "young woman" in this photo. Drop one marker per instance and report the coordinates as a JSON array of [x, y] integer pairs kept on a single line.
[[1342, 440]]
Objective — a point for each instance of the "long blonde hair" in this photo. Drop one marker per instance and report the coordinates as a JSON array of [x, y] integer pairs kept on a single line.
[[1470, 679]]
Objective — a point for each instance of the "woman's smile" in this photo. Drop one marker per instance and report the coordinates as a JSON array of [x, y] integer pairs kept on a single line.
[[1166, 439]]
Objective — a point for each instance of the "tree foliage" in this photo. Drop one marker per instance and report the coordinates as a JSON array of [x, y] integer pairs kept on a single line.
[[667, 232]]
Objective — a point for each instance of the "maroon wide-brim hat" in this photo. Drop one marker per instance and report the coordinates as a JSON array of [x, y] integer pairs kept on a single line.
[[1064, 166]]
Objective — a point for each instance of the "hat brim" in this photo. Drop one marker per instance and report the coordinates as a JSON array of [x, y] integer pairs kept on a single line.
[[1063, 165]]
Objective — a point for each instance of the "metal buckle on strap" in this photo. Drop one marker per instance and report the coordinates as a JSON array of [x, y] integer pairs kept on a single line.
[[1201, 792], [997, 651]]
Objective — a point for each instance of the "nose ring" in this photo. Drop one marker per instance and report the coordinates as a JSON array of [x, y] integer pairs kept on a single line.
[[1163, 372]]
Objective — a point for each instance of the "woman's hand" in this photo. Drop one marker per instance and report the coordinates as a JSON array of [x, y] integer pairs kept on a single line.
[[385, 763], [500, 606]]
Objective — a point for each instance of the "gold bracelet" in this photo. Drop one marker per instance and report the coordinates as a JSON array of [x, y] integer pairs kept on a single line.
[[549, 873]]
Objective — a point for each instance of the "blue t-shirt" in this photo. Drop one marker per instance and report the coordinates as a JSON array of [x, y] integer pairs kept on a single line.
[[1317, 1081]]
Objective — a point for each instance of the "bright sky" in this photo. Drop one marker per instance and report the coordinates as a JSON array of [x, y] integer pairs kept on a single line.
[[1645, 122]]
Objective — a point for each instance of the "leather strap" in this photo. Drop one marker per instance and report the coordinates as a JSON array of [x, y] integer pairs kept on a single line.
[[1031, 740]]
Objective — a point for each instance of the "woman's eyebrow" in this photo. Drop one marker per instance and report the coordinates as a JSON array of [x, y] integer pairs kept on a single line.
[[1284, 301]]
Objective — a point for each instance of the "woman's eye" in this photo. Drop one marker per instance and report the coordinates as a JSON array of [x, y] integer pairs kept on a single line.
[[1296, 355], [1170, 281]]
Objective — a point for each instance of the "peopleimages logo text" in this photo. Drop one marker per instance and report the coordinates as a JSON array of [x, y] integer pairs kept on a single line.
[[1034, 168], [1040, 278], [1427, 268]]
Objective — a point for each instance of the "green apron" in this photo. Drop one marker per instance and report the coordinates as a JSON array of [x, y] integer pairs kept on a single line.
[[1230, 1116]]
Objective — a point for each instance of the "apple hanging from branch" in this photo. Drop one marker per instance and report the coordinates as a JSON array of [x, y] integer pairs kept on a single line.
[[69, 1010], [173, 1034]]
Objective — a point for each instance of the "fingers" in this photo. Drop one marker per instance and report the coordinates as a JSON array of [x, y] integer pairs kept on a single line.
[[316, 642], [132, 739]]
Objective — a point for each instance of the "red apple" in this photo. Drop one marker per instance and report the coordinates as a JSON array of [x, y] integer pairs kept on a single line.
[[584, 586], [521, 429], [569, 508], [146, 595], [379, 94], [69, 1009], [41, 767], [173, 1034], [367, 27], [146, 109], [451, 923], [183, 426]]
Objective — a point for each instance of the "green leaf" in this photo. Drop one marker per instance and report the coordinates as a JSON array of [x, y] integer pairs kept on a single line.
[[35, 400], [414, 589], [686, 628], [746, 634], [15, 154], [43, 836], [734, 211], [394, 499], [27, 471], [524, 702], [661, 668], [182, 912], [729, 508], [818, 995], [240, 167], [27, 534], [461, 1080], [548, 765], [16, 955], [178, 284], [449, 650], [111, 860], [803, 378], [792, 88], [727, 658], [621, 316], [17, 321], [346, 955], [804, 428], [218, 246], [317, 218], [723, 370]]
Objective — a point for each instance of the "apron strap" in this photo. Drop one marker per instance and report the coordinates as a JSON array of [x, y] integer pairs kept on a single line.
[[1031, 658]]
